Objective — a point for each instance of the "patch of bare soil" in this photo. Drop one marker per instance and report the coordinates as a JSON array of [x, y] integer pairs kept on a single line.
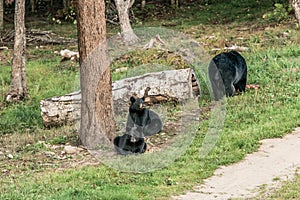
[[274, 162], [171, 129], [27, 152], [50, 157], [22, 153]]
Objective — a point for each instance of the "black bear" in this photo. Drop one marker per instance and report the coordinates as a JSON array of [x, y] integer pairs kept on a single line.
[[141, 122], [124, 145], [227, 73]]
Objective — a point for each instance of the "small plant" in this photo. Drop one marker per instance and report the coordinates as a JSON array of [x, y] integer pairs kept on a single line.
[[279, 13], [67, 14], [34, 148]]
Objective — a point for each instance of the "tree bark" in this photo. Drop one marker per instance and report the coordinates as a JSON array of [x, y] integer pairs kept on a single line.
[[128, 36], [296, 7], [18, 86], [1, 14], [166, 86], [174, 3], [66, 4], [97, 126]]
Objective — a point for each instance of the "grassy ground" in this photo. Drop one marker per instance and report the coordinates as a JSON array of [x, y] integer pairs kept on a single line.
[[288, 190], [31, 159]]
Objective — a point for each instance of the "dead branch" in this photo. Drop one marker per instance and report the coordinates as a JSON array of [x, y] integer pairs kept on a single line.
[[156, 41], [234, 47], [36, 36]]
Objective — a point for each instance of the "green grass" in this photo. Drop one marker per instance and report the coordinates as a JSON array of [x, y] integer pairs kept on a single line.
[[213, 13], [42, 69], [289, 190], [271, 111]]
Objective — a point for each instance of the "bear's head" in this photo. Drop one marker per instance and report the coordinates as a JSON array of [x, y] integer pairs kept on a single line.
[[137, 104]]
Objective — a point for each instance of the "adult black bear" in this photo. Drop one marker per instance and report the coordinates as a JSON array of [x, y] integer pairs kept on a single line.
[[141, 122], [227, 74], [124, 145]]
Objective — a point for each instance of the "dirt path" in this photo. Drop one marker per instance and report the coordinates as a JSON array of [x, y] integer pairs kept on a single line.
[[275, 161]]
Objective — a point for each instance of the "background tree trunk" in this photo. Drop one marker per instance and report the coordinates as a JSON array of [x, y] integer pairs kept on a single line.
[[18, 85], [296, 7], [175, 3], [1, 14], [128, 36], [97, 125], [32, 4], [143, 4], [66, 4]]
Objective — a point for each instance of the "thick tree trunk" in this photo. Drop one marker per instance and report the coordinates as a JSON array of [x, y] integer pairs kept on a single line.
[[18, 86], [173, 85], [128, 36], [1, 14], [97, 125], [296, 7]]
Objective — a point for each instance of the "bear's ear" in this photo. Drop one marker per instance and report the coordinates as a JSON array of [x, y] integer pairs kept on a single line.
[[132, 99]]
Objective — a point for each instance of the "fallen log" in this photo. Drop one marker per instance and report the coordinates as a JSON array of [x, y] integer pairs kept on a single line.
[[173, 85], [57, 111]]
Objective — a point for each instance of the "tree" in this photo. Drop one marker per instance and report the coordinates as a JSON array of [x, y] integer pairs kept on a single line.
[[97, 126], [1, 13], [128, 36], [174, 3], [296, 7], [33, 5], [18, 85]]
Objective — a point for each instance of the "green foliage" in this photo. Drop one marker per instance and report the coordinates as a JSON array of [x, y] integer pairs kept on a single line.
[[279, 13], [63, 139], [34, 148], [68, 15]]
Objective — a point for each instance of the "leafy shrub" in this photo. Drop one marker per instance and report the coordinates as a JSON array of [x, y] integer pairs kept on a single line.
[[279, 13]]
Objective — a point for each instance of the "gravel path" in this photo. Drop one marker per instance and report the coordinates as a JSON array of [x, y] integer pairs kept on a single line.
[[275, 161]]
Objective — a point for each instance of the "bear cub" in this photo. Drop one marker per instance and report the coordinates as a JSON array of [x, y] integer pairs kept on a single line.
[[141, 122], [124, 145], [228, 74]]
